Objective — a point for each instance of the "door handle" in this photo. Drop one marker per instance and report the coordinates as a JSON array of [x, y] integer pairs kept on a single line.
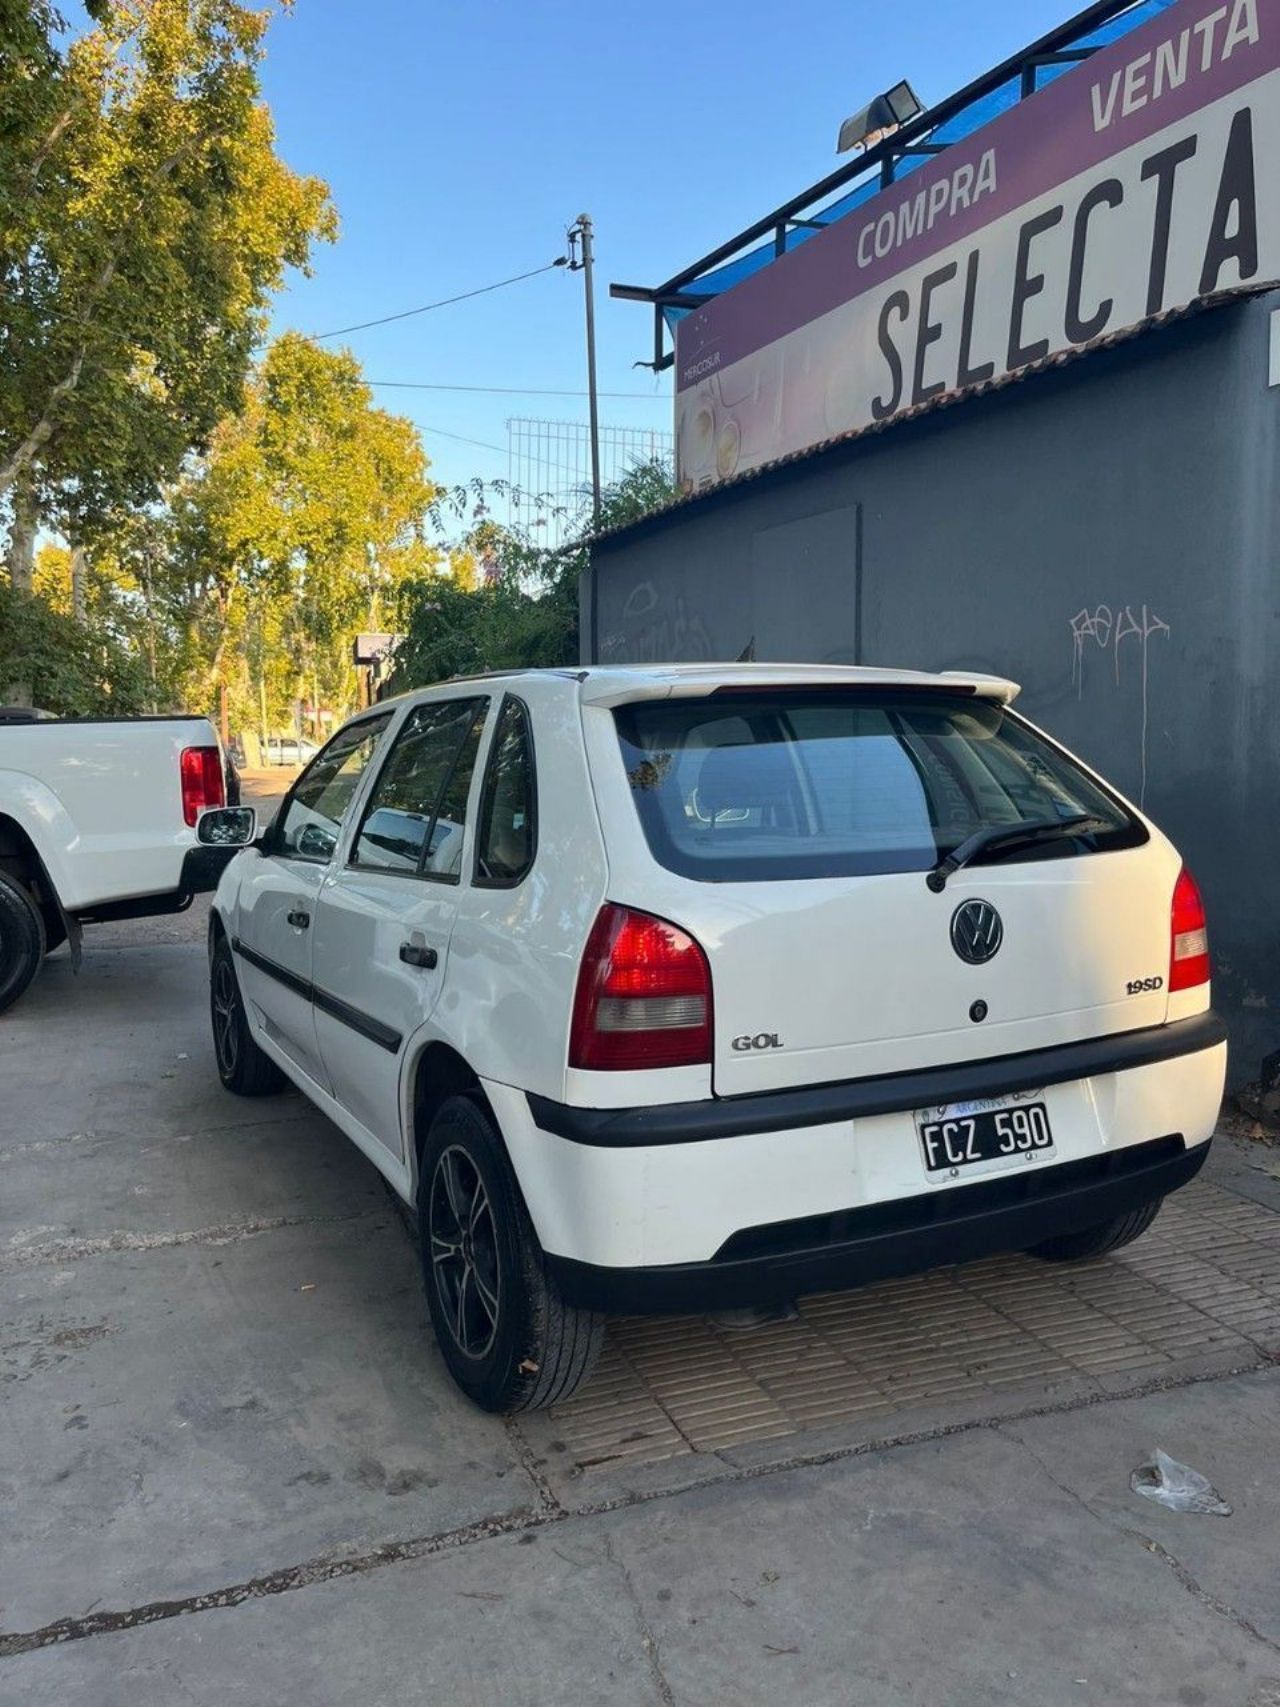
[[299, 919], [418, 954]]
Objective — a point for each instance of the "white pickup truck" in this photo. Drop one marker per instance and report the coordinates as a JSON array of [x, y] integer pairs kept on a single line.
[[97, 822]]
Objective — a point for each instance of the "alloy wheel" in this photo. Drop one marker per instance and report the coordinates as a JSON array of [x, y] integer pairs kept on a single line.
[[226, 1015], [464, 1252]]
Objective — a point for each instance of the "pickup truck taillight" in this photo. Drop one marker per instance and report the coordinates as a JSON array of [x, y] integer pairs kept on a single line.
[[1189, 953], [202, 781]]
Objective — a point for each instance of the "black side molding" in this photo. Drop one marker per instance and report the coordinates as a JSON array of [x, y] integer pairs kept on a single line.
[[281, 974], [891, 1093], [385, 1036]]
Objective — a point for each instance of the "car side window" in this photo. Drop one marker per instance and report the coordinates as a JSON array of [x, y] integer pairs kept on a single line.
[[508, 822], [312, 818], [415, 820]]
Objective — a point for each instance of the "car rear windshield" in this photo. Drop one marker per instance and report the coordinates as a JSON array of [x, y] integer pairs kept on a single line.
[[831, 784]]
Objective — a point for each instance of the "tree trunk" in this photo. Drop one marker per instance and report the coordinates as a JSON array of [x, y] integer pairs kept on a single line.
[[263, 731], [78, 570], [21, 561], [153, 704], [22, 535], [12, 471]]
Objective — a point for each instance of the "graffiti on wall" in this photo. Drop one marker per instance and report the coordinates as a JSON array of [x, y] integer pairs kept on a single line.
[[1124, 633], [656, 630]]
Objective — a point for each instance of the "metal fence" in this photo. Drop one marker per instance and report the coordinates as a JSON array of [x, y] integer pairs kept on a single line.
[[549, 470]]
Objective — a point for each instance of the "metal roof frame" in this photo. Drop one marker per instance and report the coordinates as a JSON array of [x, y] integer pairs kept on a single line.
[[1055, 48]]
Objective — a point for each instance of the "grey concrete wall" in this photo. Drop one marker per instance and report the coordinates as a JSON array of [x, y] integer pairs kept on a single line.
[[1106, 534]]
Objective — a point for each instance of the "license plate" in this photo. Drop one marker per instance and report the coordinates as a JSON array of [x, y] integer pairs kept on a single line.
[[971, 1137]]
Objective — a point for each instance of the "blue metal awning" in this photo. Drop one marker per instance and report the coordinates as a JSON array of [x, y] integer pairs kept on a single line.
[[889, 161]]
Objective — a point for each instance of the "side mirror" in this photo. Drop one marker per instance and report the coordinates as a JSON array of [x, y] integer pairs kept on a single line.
[[316, 842], [227, 827]]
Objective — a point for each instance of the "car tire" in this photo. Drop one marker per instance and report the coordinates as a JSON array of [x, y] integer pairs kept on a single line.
[[242, 1065], [510, 1340], [22, 940], [1099, 1240]]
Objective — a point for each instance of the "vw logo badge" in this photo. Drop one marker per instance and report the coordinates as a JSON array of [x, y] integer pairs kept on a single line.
[[976, 932]]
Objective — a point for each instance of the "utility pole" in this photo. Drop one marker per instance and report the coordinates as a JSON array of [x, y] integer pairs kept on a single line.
[[262, 686], [148, 546], [581, 233]]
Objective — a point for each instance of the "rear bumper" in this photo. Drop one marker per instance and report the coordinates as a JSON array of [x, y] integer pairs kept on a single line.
[[784, 1260], [201, 870], [892, 1093], [686, 1188]]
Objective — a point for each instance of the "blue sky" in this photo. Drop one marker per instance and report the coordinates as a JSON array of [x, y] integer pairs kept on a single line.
[[460, 140]]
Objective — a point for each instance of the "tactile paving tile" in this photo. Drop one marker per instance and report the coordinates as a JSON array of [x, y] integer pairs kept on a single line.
[[1205, 1280]]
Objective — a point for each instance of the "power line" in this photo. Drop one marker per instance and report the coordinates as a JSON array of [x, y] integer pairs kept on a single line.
[[511, 390], [445, 302], [87, 323], [483, 444]]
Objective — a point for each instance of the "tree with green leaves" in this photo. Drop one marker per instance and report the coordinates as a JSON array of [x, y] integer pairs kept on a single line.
[[145, 221], [294, 530], [74, 668]]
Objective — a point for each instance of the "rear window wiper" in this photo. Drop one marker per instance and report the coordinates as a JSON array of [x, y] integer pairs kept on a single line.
[[1001, 835]]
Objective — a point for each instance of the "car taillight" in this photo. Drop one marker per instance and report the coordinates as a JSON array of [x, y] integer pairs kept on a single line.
[[643, 996], [202, 781], [1189, 957]]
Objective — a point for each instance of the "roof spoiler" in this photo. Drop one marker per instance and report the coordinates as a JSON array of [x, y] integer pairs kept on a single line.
[[609, 688]]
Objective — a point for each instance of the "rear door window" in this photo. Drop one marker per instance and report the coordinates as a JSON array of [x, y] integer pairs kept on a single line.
[[507, 833], [841, 783]]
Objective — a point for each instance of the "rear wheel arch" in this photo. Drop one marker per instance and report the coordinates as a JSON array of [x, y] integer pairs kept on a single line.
[[20, 857], [21, 862], [439, 1072]]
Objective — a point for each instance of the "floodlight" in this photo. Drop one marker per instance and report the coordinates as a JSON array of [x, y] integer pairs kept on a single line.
[[880, 118]]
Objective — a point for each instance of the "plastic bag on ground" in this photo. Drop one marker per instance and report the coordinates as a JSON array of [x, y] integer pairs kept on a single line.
[[1177, 1486]]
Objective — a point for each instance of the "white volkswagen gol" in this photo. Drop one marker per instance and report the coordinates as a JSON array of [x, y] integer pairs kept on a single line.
[[683, 988]]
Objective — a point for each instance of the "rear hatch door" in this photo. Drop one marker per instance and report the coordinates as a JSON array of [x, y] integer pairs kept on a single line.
[[793, 834]]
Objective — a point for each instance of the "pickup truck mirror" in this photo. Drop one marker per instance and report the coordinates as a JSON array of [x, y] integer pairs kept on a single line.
[[227, 827]]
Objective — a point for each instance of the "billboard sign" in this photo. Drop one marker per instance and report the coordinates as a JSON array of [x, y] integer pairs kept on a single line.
[[374, 648], [1136, 182]]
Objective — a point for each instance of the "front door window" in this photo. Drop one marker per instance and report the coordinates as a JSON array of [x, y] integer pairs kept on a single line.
[[314, 811]]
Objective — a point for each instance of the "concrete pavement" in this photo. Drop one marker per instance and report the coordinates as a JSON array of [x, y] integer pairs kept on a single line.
[[990, 1566]]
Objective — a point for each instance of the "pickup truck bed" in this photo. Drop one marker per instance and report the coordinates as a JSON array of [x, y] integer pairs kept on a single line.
[[97, 821]]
